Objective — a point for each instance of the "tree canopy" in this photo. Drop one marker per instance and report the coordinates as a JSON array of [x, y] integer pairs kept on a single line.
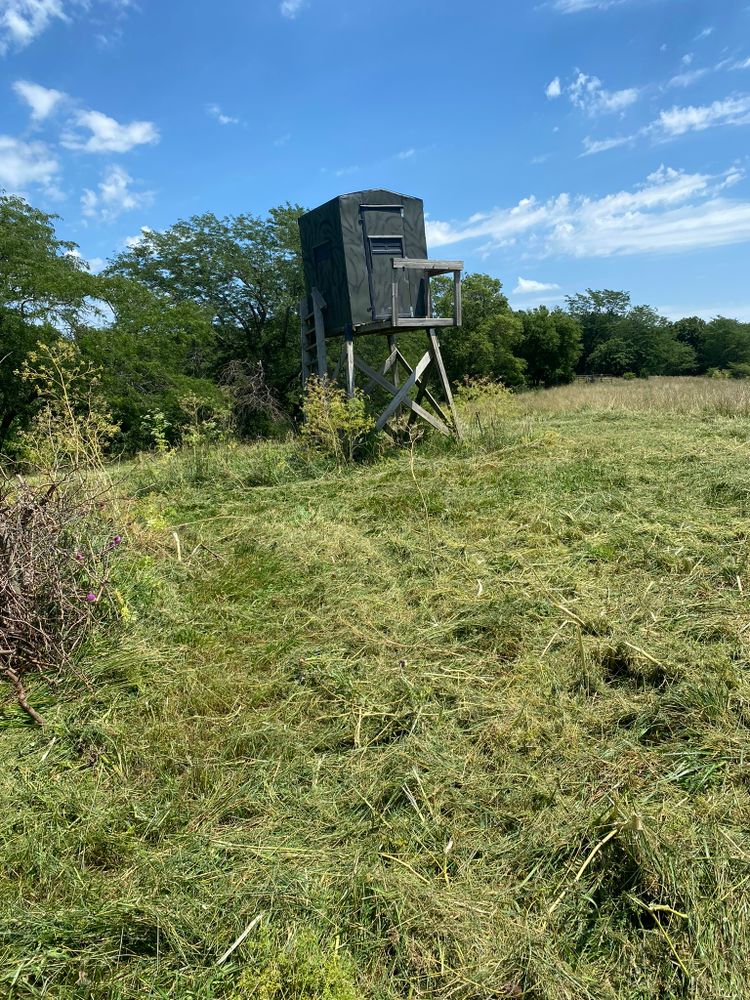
[[210, 301]]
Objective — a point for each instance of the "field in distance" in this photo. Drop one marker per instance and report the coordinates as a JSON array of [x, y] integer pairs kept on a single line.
[[470, 721]]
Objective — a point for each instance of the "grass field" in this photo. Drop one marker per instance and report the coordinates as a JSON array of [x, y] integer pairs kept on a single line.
[[467, 722]]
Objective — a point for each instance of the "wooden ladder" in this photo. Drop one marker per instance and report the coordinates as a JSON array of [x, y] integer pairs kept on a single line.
[[313, 337]]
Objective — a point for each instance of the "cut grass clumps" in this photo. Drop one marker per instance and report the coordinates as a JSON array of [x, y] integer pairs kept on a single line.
[[466, 722]]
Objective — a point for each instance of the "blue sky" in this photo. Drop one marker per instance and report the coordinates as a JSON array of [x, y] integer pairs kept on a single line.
[[557, 144]]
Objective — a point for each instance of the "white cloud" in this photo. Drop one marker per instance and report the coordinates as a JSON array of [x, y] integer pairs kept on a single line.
[[687, 78], [735, 310], [731, 111], [527, 286], [554, 88], [676, 121], [215, 111], [25, 163], [742, 64], [291, 8], [131, 242], [586, 92], [406, 154], [21, 21], [704, 34], [107, 135], [672, 211], [687, 59], [41, 100], [113, 196], [592, 146], [576, 6]]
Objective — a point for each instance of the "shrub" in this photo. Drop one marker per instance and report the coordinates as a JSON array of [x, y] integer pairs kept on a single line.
[[334, 424], [484, 406], [73, 425], [53, 576]]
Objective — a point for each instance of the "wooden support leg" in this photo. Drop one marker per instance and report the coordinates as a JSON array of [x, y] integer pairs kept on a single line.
[[445, 385], [349, 344], [392, 350]]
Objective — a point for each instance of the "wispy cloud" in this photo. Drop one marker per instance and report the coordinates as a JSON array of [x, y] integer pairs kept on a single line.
[[593, 146], [131, 242], [672, 211], [705, 33], [22, 21], [106, 135], [23, 164], [687, 78], [589, 95], [114, 196], [677, 121], [406, 154], [291, 8], [41, 100], [528, 286], [214, 110], [576, 6]]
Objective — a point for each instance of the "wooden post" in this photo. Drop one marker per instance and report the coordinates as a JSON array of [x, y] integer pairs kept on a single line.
[[349, 344], [394, 366], [445, 385]]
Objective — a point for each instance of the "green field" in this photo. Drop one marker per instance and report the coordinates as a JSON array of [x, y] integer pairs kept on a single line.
[[468, 721]]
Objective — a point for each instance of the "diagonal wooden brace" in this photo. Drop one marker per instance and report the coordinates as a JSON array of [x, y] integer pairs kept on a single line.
[[407, 402]]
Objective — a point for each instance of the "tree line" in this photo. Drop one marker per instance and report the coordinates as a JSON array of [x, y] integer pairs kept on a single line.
[[210, 304]]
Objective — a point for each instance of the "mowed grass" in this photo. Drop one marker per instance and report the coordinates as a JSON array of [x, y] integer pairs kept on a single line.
[[470, 722]]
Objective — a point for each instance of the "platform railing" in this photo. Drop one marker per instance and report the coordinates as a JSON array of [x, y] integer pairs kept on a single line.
[[430, 268]]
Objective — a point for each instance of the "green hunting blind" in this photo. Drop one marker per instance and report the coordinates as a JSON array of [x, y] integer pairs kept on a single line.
[[367, 272]]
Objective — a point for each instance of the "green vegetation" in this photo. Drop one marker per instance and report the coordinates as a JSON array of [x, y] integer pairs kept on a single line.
[[470, 721], [200, 323]]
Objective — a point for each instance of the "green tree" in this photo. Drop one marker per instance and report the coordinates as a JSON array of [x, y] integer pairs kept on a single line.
[[654, 344], [725, 342], [485, 344], [690, 330], [244, 270], [598, 313], [612, 357], [44, 289], [155, 352], [551, 345], [640, 334]]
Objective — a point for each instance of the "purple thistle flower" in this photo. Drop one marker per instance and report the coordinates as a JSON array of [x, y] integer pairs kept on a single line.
[[91, 597], [117, 539], [79, 556]]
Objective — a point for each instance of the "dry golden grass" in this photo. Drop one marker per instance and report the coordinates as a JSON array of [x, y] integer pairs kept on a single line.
[[697, 396]]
